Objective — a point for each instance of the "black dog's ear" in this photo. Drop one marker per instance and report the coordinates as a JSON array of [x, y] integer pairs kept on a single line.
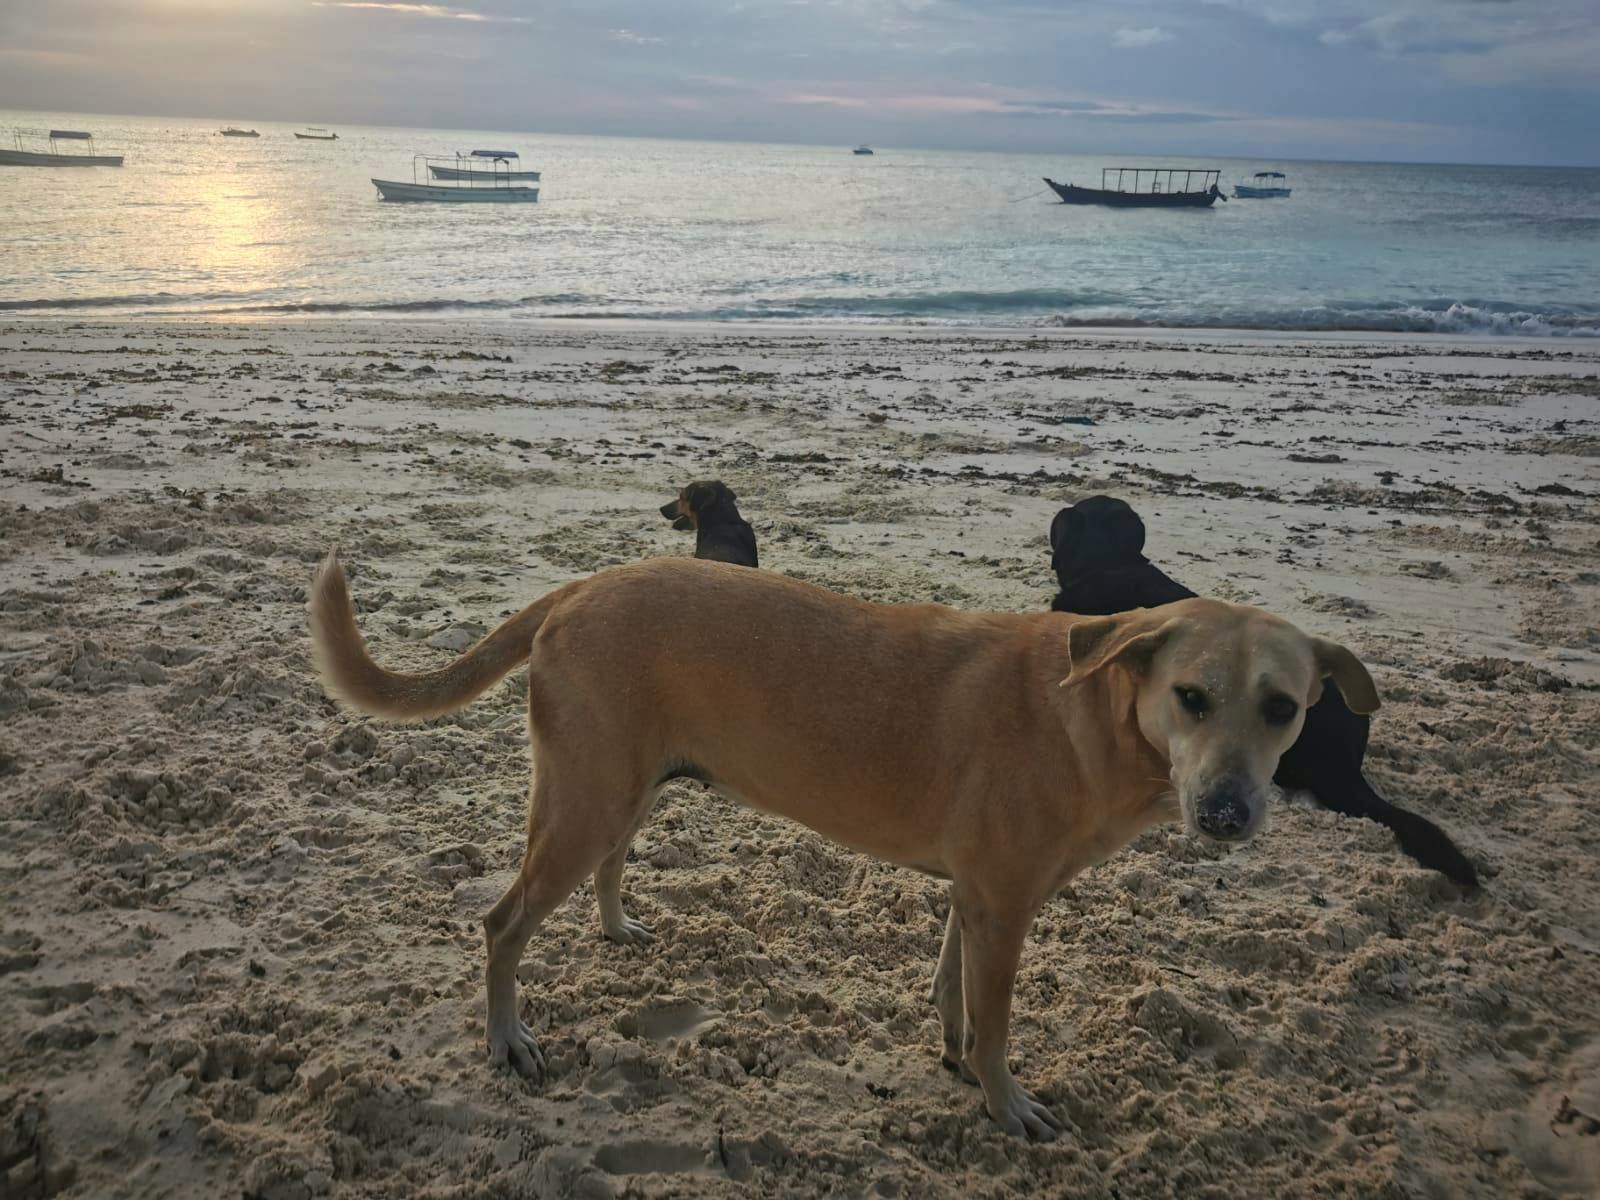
[[706, 492], [1067, 524]]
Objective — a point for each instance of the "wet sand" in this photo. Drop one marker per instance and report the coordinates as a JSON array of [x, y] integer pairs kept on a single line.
[[239, 939]]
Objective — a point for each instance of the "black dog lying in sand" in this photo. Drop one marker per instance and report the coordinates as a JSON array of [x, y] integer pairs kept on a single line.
[[1097, 553], [721, 534]]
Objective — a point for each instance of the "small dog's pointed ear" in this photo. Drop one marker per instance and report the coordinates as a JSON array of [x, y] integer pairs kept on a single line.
[[1348, 674], [1127, 639]]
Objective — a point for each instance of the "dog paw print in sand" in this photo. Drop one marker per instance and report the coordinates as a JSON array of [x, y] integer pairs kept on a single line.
[[1340, 606], [1426, 569], [666, 1020]]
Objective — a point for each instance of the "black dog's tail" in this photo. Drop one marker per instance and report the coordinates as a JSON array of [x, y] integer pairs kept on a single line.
[[1419, 837]]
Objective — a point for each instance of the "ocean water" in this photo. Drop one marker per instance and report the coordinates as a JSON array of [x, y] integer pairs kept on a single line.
[[644, 228]]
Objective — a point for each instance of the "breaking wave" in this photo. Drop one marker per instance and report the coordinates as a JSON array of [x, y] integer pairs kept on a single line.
[[1024, 307]]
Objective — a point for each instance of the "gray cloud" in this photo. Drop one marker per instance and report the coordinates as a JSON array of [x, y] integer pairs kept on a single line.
[[1480, 79]]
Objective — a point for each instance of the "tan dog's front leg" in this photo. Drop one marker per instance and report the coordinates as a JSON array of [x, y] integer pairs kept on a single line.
[[945, 996], [614, 922], [991, 944]]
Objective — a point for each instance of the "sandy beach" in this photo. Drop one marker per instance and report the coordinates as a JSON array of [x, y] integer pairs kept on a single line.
[[240, 950]]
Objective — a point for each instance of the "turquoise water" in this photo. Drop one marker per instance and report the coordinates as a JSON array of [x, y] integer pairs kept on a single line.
[[713, 230]]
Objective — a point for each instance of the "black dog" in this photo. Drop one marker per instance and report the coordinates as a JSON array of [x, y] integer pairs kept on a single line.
[[721, 534], [1097, 553]]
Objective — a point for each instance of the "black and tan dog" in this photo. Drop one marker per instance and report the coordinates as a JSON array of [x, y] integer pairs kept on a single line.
[[720, 533], [1097, 552]]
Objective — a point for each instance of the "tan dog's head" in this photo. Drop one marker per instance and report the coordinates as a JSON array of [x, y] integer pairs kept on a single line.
[[1222, 693]]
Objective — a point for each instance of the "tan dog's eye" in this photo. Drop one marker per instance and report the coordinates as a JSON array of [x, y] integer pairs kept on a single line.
[[1279, 710], [1192, 699]]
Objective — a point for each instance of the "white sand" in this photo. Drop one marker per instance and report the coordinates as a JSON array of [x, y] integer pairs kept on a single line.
[[239, 940]]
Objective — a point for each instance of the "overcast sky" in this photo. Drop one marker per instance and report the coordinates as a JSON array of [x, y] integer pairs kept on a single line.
[[1418, 80]]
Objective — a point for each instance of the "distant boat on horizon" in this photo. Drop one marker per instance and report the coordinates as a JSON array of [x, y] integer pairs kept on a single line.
[[315, 133], [1263, 185], [54, 157], [862, 149], [1169, 187], [230, 131]]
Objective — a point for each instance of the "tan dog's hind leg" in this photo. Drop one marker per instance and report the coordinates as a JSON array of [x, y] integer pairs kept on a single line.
[[991, 944], [945, 996], [614, 923], [565, 843]]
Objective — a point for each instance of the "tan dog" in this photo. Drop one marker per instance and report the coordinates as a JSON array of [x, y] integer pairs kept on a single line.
[[1002, 752]]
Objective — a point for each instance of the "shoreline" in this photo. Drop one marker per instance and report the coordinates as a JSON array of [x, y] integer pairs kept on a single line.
[[1578, 347], [241, 941]]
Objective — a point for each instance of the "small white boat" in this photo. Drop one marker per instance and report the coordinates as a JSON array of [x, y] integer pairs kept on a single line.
[[862, 150], [315, 133], [1263, 185], [479, 187], [21, 156], [483, 164]]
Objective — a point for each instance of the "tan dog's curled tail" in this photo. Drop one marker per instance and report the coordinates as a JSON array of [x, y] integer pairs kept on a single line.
[[349, 674]]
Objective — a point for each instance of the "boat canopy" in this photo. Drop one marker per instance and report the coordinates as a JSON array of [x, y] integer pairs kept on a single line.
[[74, 134], [1162, 179], [494, 154], [1270, 175]]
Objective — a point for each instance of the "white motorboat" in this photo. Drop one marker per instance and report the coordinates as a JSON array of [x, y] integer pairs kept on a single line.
[[492, 186], [1263, 185], [21, 156], [484, 164]]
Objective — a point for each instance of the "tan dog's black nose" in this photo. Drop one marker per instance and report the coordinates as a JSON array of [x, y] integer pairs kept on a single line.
[[1224, 814]]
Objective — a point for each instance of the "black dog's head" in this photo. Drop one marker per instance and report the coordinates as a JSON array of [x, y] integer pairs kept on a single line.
[[1101, 533], [702, 500]]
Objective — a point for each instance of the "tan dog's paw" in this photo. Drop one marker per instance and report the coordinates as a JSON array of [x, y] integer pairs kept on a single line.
[[959, 1066], [518, 1050], [629, 932], [1022, 1114]]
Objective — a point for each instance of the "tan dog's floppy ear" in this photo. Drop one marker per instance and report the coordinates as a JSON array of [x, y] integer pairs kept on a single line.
[[1124, 638], [1348, 675]]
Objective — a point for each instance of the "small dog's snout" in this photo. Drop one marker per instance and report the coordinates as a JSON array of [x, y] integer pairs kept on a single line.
[[1224, 814]]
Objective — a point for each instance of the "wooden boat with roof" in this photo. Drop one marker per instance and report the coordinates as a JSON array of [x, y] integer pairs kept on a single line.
[[1263, 185], [1146, 187], [48, 154], [494, 186], [482, 164]]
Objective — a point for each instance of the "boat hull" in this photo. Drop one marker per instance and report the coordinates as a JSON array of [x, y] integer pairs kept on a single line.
[[488, 176], [1081, 195], [318, 137], [1244, 191], [29, 158], [390, 189]]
